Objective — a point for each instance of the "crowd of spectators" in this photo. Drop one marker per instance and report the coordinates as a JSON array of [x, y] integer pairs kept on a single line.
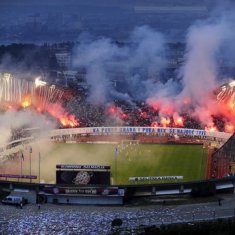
[[119, 113], [19, 133], [87, 114]]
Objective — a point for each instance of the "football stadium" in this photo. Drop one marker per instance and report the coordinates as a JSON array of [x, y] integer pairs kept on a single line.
[[116, 146], [127, 159]]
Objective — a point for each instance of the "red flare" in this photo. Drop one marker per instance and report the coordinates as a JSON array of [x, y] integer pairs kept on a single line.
[[165, 122], [57, 111], [229, 128], [117, 112], [211, 128], [26, 102], [124, 116], [154, 124], [179, 121], [69, 121], [143, 114]]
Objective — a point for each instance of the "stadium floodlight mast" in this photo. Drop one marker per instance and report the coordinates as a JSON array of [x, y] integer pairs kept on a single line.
[[21, 164], [30, 163], [39, 166], [116, 152]]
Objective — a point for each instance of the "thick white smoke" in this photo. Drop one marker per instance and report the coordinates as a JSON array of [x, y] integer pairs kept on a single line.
[[17, 119], [147, 51], [135, 63], [207, 43], [94, 56], [200, 72]]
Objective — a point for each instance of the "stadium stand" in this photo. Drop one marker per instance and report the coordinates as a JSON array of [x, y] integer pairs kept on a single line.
[[222, 159]]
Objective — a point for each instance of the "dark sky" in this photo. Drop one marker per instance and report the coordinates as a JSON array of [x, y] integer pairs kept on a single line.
[[103, 2], [99, 17]]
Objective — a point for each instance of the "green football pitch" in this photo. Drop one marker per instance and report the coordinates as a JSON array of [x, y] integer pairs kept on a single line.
[[131, 160]]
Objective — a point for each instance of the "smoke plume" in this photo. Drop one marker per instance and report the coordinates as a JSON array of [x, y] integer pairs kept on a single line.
[[207, 45], [133, 65], [16, 120]]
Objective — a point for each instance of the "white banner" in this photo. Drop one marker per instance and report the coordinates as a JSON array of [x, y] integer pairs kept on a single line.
[[137, 129], [137, 178]]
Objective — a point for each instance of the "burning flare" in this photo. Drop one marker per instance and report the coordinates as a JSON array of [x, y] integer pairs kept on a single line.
[[26, 102]]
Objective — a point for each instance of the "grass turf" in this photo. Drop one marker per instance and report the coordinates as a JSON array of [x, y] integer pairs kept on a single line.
[[188, 160]]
